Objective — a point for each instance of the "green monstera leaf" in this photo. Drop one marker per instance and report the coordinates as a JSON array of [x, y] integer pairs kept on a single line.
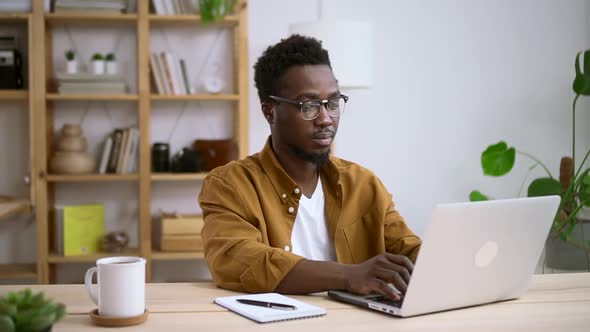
[[476, 196], [498, 159], [582, 80], [544, 187]]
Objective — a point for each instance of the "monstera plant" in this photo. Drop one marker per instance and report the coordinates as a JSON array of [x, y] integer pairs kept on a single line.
[[573, 184]]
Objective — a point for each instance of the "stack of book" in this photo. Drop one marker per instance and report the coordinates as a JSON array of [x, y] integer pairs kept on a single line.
[[119, 153], [101, 6], [169, 74], [174, 7], [86, 83]]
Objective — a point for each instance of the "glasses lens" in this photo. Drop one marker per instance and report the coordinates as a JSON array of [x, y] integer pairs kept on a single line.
[[310, 110]]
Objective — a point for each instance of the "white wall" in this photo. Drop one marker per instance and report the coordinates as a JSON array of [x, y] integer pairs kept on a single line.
[[451, 77]]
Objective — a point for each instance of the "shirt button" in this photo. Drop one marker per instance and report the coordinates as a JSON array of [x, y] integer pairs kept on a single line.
[[297, 191], [287, 248], [291, 209], [284, 195]]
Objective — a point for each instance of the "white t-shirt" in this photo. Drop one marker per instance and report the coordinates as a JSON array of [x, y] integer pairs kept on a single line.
[[310, 237]]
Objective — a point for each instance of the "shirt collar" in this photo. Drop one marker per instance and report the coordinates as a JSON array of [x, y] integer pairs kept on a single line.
[[282, 182]]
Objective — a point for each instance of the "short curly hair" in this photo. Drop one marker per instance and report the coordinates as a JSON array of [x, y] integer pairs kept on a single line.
[[277, 59]]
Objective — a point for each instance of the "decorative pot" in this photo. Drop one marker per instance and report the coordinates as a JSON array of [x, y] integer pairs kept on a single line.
[[563, 256], [72, 67], [98, 67], [71, 156], [72, 163]]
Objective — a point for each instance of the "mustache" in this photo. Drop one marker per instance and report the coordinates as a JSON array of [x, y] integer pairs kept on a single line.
[[324, 134]]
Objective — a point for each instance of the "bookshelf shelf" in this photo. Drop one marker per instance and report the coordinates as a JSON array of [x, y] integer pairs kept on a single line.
[[169, 256], [177, 176], [14, 94], [92, 177], [90, 18], [14, 17], [18, 271], [201, 97], [45, 101], [230, 20], [57, 259], [96, 97]]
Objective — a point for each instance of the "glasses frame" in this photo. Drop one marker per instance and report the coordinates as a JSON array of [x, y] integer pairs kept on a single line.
[[323, 102]]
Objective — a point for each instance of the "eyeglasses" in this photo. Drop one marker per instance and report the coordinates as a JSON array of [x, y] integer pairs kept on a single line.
[[310, 109]]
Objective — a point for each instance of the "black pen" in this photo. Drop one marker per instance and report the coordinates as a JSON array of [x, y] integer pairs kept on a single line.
[[271, 305]]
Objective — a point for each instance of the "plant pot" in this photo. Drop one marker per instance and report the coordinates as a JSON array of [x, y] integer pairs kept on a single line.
[[98, 67], [563, 256], [72, 67], [112, 67]]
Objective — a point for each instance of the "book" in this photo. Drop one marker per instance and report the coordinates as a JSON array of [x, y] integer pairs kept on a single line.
[[117, 138], [266, 315], [185, 79], [106, 152], [80, 229]]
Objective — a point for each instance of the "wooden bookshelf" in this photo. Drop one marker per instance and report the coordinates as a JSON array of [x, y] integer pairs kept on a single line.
[[44, 103], [170, 256], [14, 17], [90, 18], [178, 176], [201, 97], [228, 21], [18, 271], [59, 259], [92, 177], [91, 97], [14, 94]]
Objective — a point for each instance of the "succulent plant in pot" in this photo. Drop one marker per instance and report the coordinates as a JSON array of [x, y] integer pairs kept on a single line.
[[111, 64], [24, 311], [98, 64], [572, 249], [71, 62]]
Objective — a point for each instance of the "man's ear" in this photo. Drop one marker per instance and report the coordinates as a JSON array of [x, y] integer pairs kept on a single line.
[[268, 111]]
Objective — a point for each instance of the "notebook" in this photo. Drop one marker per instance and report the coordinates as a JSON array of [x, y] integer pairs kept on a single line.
[[265, 315]]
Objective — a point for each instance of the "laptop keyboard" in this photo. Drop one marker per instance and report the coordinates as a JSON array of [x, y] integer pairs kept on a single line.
[[385, 300]]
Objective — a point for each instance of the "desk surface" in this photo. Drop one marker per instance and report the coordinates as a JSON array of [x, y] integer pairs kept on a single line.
[[556, 302]]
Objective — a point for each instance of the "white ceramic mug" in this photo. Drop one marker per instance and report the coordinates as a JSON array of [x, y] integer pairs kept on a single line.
[[120, 290]]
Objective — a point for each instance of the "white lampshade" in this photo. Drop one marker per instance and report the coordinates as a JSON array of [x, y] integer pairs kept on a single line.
[[350, 45]]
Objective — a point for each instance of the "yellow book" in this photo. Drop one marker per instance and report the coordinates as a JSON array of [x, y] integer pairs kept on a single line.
[[83, 228]]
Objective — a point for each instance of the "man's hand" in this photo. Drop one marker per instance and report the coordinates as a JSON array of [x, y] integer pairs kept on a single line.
[[375, 274]]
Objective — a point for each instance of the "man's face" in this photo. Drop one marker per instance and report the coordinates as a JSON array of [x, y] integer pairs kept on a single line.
[[309, 140]]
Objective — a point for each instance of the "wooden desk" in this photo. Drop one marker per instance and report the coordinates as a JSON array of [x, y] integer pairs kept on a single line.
[[556, 302]]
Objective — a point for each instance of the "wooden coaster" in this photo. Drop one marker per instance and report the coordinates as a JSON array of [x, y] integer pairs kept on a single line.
[[111, 321]]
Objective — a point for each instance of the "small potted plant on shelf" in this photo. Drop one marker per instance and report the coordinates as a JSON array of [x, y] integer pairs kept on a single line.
[[111, 64], [72, 62], [214, 10], [98, 64], [566, 247], [25, 311]]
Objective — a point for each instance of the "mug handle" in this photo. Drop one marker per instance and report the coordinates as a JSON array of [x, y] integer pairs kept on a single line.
[[88, 284]]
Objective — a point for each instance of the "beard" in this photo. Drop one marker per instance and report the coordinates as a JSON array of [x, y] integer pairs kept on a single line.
[[319, 159]]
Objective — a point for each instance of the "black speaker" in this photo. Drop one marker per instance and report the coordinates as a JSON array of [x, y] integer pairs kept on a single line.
[[11, 70]]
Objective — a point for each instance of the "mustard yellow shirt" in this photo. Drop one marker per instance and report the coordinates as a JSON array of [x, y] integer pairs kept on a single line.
[[249, 207]]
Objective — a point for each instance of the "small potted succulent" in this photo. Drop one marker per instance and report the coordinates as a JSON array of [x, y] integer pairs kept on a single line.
[[25, 311], [72, 62], [98, 64], [111, 64]]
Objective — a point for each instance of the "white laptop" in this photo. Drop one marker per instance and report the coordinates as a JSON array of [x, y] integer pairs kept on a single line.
[[472, 253]]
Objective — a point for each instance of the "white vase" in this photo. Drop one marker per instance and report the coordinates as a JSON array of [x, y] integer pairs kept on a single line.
[[112, 67], [98, 67], [72, 67]]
